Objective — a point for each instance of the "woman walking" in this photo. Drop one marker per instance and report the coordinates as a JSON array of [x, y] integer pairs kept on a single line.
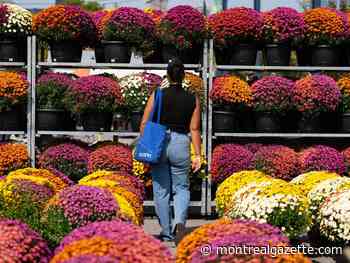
[[180, 113]]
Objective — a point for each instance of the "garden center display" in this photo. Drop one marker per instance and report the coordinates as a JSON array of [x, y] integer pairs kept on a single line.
[[15, 26], [273, 86]]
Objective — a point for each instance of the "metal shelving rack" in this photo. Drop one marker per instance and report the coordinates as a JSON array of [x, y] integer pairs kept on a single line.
[[38, 65], [238, 68], [28, 66]]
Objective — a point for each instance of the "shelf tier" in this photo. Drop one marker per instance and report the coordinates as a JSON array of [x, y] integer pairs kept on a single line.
[[87, 133], [279, 68], [113, 65], [11, 64], [12, 133], [284, 135]]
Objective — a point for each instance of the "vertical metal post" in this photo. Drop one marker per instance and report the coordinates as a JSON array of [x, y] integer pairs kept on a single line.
[[33, 99], [257, 5], [210, 120], [204, 123], [224, 4], [316, 3], [29, 98]]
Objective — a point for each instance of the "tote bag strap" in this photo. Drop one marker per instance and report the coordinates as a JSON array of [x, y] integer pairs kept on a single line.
[[157, 105]]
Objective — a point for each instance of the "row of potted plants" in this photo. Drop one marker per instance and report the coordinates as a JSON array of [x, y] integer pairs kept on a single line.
[[316, 34], [280, 104], [313, 203], [63, 100], [278, 161]]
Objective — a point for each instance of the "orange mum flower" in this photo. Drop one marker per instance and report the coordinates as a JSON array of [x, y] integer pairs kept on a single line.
[[13, 89], [12, 157]]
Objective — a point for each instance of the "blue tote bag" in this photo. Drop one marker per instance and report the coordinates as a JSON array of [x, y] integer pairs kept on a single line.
[[150, 145]]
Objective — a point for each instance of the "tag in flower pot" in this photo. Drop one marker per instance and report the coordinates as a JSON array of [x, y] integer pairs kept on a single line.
[[97, 121], [277, 54], [116, 52], [66, 51], [325, 56]]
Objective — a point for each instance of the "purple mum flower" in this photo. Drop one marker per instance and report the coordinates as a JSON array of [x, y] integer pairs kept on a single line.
[[21, 244], [84, 204], [322, 158], [229, 159]]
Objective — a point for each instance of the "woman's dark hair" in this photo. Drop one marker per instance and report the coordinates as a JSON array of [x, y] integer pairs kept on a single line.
[[176, 70]]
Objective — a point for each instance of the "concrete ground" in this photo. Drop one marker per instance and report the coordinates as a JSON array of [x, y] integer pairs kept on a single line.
[[151, 226]]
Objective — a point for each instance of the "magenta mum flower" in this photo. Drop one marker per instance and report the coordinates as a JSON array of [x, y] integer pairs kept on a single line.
[[316, 93], [21, 244], [93, 93], [131, 242], [273, 94], [322, 158], [182, 26], [69, 159], [236, 25], [283, 24], [84, 204], [277, 161], [228, 159]]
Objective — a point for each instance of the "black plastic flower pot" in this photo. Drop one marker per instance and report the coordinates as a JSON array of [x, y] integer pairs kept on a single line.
[[330, 122], [11, 120], [155, 56], [12, 51], [116, 52], [97, 121], [345, 122], [310, 125], [277, 54], [67, 51], [100, 54], [246, 121], [224, 121], [325, 56], [221, 57], [289, 121], [303, 56], [243, 54], [267, 122], [187, 56], [136, 118], [54, 119]]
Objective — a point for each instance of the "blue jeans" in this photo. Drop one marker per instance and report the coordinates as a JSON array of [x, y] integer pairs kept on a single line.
[[170, 178]]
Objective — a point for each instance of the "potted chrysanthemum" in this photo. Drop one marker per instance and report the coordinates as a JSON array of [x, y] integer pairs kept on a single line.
[[236, 32], [51, 112], [282, 25], [325, 29], [13, 94], [15, 26], [94, 99], [272, 97], [67, 29], [182, 31], [344, 85], [127, 28], [313, 95], [136, 88], [229, 94]]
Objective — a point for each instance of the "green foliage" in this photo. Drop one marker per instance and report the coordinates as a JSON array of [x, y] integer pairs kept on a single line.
[[53, 229], [88, 6], [50, 95]]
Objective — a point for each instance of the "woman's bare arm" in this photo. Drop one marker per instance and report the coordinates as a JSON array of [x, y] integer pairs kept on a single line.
[[147, 112], [196, 135]]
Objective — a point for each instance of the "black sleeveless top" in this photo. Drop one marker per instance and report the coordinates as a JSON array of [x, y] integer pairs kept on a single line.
[[178, 106]]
